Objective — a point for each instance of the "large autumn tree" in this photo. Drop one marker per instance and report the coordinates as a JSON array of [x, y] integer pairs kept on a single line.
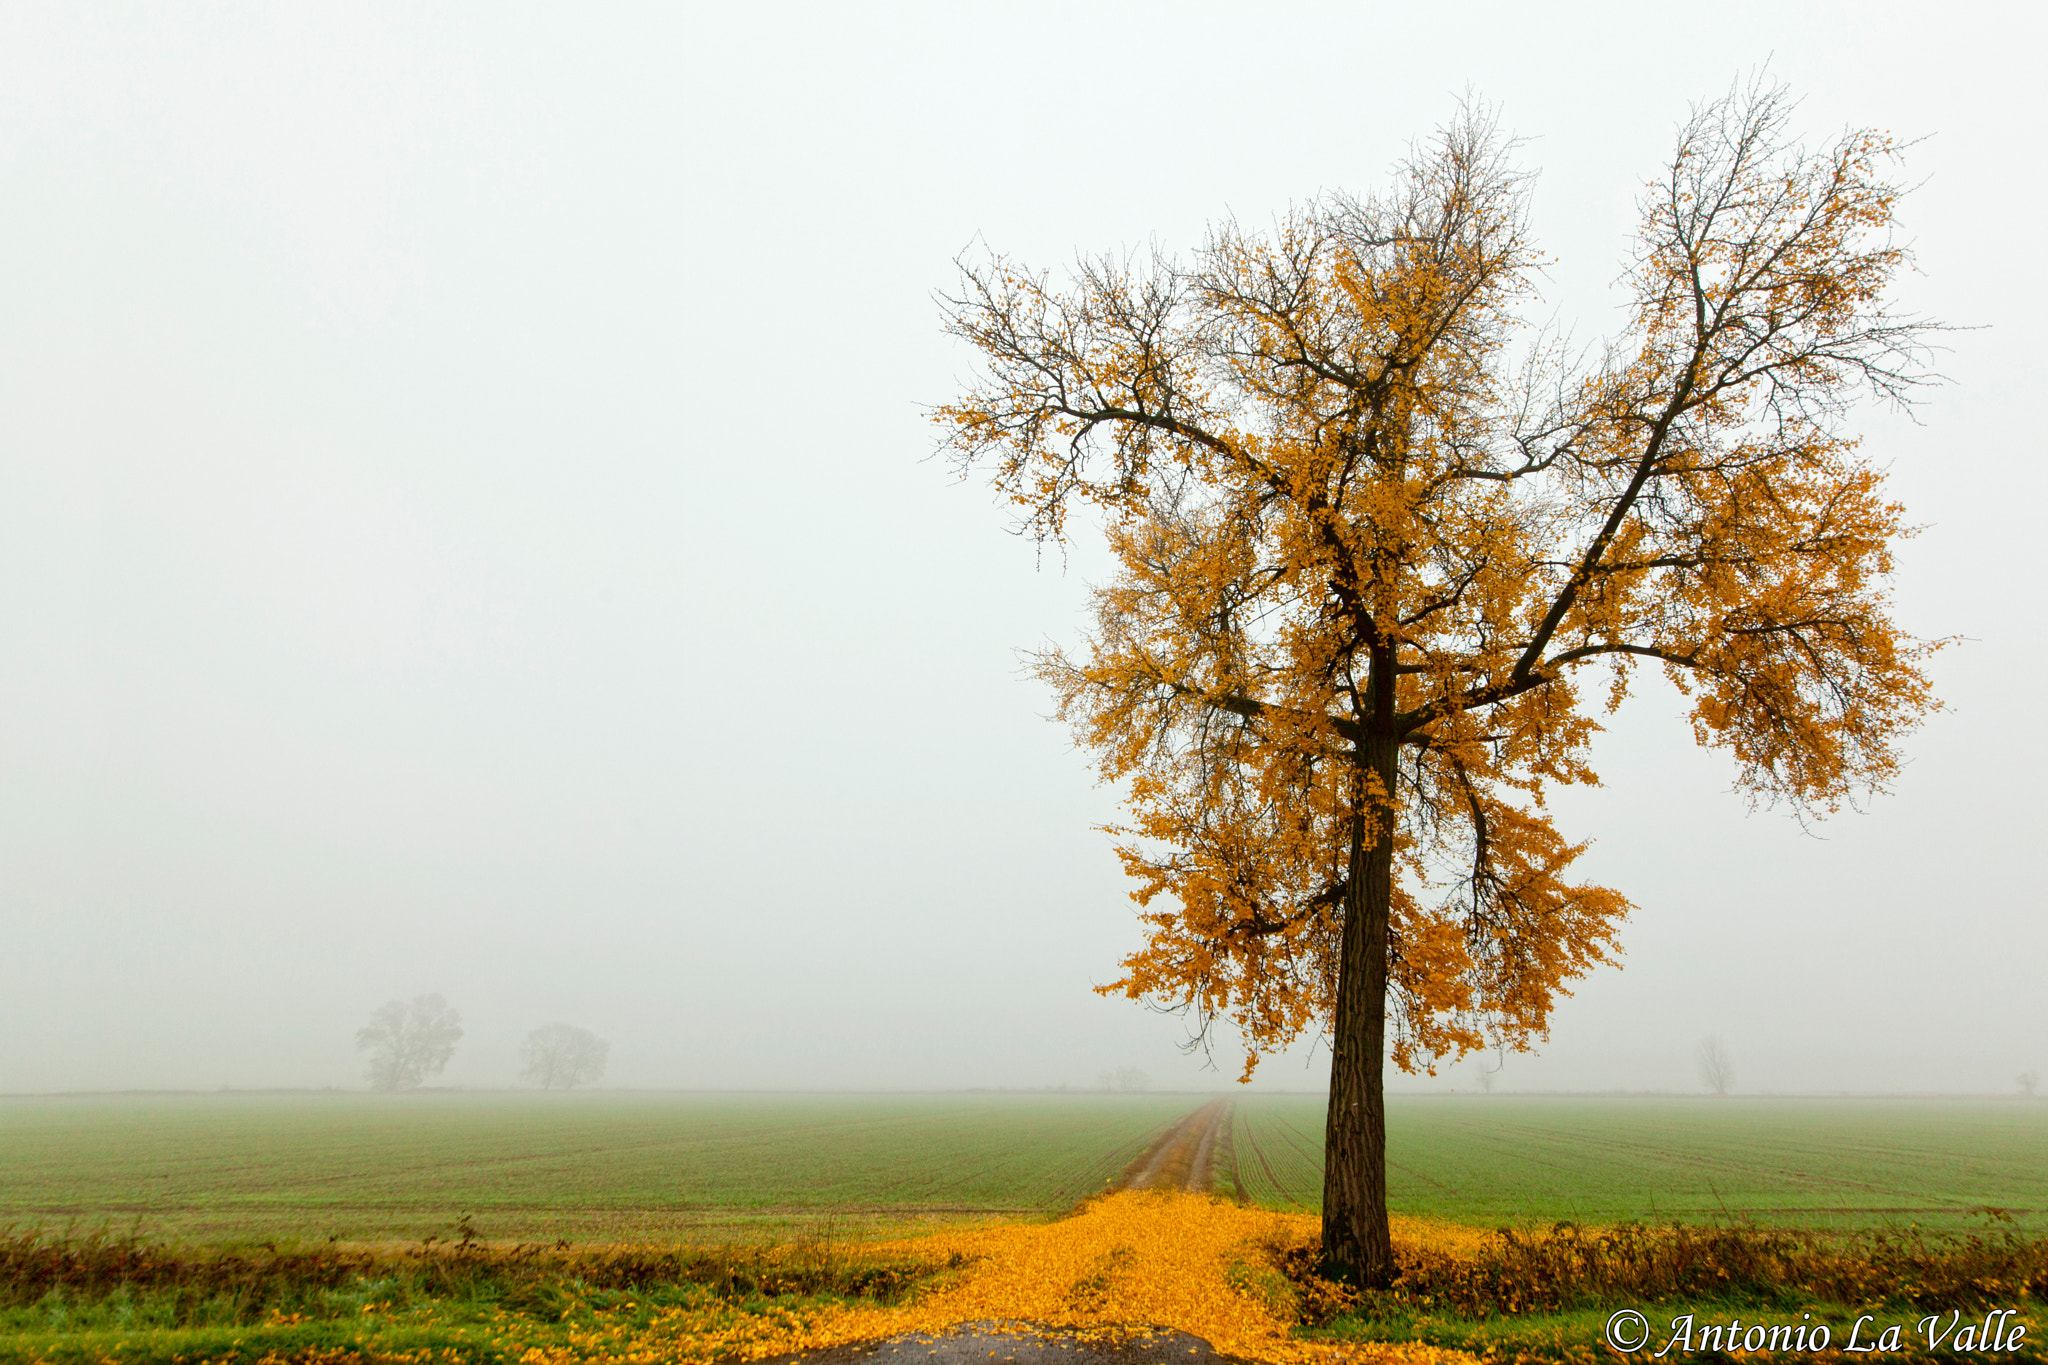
[[1383, 553]]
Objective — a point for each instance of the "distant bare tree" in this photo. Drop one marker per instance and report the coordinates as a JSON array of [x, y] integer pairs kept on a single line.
[[1489, 1074], [1129, 1079], [1716, 1070], [562, 1056], [2029, 1082], [409, 1042]]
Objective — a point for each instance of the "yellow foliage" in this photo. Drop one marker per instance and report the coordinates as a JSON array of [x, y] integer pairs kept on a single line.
[[1126, 1266], [1372, 540]]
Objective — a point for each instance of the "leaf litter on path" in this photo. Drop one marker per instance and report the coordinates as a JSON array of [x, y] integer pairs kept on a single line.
[[1114, 1279]]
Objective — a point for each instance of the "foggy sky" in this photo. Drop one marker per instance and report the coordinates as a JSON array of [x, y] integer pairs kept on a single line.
[[467, 525]]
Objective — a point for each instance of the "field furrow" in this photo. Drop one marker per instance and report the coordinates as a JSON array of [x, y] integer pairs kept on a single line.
[[613, 1167], [539, 1166], [1840, 1163]]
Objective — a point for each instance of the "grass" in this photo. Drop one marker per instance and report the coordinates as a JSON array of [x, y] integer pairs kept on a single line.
[[1547, 1295], [99, 1298], [1805, 1163], [1237, 1276], [588, 1168], [626, 1167], [645, 1221]]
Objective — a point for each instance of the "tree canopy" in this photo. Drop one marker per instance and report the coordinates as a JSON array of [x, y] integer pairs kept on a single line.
[[409, 1041], [562, 1056], [1384, 551]]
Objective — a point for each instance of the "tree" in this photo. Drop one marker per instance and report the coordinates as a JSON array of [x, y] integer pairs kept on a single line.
[[1717, 1070], [409, 1042], [1378, 546], [562, 1055], [2028, 1082]]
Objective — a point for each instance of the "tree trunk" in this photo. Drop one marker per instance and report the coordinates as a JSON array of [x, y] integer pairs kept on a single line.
[[1357, 1247]]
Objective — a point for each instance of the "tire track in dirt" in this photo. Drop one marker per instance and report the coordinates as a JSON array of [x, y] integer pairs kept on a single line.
[[1185, 1156]]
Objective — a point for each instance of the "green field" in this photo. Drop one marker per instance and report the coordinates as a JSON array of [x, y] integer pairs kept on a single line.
[[596, 1167], [667, 1167], [1820, 1163], [291, 1170]]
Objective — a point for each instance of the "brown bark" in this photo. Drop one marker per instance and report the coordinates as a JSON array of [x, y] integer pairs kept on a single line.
[[1357, 1247]]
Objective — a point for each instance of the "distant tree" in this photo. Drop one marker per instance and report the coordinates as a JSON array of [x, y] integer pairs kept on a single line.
[[409, 1042], [1489, 1074], [1716, 1070], [1129, 1079], [562, 1056], [2029, 1081]]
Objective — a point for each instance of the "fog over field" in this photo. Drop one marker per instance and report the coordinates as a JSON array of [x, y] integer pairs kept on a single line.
[[467, 525]]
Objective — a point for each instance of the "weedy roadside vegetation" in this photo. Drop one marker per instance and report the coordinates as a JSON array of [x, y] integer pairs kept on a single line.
[[1122, 1264], [82, 1298], [1546, 1292]]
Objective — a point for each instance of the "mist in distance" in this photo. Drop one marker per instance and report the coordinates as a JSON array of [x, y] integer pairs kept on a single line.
[[466, 526]]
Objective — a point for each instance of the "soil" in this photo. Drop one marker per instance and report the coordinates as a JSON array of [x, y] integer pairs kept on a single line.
[[1196, 1155], [1191, 1155]]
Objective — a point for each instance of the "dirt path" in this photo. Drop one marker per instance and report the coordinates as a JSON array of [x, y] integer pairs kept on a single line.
[[1196, 1154], [1191, 1155]]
